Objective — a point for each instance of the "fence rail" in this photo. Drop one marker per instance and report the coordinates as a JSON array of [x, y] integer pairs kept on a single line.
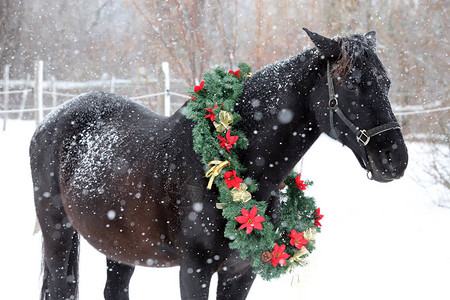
[[424, 111], [72, 85], [70, 95], [11, 92], [58, 94]]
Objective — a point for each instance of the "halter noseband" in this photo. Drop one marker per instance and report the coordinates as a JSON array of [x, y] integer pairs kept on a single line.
[[362, 135]]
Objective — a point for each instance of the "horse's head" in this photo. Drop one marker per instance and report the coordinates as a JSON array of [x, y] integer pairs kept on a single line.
[[351, 104]]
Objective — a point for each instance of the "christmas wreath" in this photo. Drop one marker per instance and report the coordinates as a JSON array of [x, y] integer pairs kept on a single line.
[[217, 140]]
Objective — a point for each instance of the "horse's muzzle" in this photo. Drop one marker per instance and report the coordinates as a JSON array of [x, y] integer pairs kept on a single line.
[[389, 163]]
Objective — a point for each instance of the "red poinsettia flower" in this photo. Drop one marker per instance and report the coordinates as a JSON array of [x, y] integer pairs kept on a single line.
[[302, 186], [192, 97], [235, 73], [250, 220], [231, 180], [198, 88], [318, 218], [278, 255], [211, 113], [229, 141], [297, 239]]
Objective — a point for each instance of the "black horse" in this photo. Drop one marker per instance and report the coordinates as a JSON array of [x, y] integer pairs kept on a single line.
[[129, 182]]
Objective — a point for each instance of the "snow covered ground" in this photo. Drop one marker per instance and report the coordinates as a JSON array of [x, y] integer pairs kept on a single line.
[[379, 241]]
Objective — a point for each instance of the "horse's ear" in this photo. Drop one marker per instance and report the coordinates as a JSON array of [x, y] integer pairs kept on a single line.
[[371, 38], [327, 47]]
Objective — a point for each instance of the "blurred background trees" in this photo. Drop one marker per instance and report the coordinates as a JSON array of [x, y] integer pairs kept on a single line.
[[86, 40]]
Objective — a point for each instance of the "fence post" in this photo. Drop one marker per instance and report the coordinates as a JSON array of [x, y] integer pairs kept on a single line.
[[54, 97], [160, 85], [6, 97], [165, 68], [112, 85], [24, 96], [38, 82]]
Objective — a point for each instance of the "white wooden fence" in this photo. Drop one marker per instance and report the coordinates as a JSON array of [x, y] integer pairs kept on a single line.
[[41, 87]]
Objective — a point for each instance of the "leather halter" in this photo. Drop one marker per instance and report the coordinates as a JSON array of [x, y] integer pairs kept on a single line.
[[362, 135]]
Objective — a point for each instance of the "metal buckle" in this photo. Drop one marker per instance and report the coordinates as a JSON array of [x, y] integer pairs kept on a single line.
[[333, 102], [363, 138]]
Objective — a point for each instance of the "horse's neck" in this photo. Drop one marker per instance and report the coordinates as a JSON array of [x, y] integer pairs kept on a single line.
[[277, 118]]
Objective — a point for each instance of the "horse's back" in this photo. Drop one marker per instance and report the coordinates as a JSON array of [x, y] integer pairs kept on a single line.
[[85, 109], [80, 114]]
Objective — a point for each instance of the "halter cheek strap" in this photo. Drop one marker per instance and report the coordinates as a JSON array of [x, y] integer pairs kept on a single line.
[[362, 135]]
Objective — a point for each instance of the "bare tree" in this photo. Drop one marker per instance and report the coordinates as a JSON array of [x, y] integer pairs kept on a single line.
[[178, 28], [11, 20], [228, 39]]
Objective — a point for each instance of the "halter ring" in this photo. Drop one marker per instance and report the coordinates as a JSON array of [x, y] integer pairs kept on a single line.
[[333, 102]]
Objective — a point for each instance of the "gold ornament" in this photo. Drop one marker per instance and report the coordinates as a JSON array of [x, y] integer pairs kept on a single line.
[[241, 194], [310, 234], [249, 75], [300, 257], [215, 171], [282, 186], [219, 205], [225, 119]]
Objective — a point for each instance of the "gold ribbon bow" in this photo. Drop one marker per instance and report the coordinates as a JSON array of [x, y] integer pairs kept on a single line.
[[215, 170], [241, 194], [225, 119], [298, 257]]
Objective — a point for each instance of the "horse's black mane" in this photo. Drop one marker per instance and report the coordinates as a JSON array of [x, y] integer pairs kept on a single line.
[[353, 49]]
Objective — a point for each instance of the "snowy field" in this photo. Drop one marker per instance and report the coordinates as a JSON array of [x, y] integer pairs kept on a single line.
[[379, 241]]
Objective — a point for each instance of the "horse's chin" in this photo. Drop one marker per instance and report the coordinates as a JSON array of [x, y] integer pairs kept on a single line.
[[377, 176], [384, 172]]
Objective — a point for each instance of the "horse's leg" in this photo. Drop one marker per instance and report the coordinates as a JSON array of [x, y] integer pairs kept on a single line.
[[118, 280], [195, 276], [60, 263], [60, 241], [234, 286]]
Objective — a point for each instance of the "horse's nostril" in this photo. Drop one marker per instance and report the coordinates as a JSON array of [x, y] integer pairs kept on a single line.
[[386, 158], [389, 155]]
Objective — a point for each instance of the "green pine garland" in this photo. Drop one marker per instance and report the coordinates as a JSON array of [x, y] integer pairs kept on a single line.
[[223, 89]]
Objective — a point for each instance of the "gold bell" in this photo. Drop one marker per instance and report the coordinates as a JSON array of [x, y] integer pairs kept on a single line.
[[310, 234], [241, 194]]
